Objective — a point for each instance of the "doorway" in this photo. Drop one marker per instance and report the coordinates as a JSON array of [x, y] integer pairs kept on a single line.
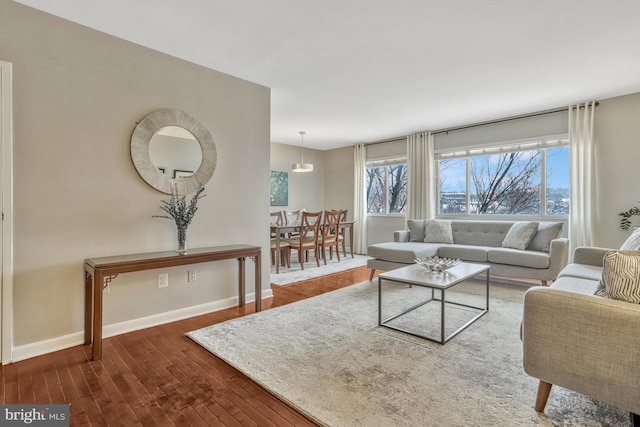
[[6, 202]]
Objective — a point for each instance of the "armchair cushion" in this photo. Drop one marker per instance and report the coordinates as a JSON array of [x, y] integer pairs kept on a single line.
[[621, 276]]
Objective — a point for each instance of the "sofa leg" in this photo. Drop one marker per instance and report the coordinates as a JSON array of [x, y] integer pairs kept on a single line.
[[545, 282], [373, 271], [543, 394]]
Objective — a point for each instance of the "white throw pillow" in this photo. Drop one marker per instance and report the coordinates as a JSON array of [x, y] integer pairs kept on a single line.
[[438, 231], [633, 242], [520, 235], [620, 276]]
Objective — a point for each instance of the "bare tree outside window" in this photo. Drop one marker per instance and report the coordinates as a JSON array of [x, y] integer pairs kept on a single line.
[[375, 190], [386, 189], [397, 188], [507, 183], [453, 186]]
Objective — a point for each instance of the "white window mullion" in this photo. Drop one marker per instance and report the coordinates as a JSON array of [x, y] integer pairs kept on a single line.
[[543, 183], [468, 189]]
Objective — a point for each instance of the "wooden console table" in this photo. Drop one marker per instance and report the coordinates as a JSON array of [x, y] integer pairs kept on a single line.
[[99, 272]]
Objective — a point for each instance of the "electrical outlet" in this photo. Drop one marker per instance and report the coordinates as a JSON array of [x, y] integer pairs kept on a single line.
[[163, 280], [191, 277]]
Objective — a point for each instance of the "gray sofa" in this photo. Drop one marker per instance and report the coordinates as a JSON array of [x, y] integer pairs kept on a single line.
[[479, 241], [580, 341]]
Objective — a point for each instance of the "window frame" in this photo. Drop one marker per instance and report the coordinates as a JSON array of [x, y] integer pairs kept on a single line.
[[541, 144]]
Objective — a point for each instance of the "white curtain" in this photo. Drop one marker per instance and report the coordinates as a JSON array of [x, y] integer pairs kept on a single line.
[[360, 200], [421, 177], [582, 175]]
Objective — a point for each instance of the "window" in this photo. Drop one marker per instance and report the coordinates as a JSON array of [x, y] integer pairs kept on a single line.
[[512, 180], [386, 183]]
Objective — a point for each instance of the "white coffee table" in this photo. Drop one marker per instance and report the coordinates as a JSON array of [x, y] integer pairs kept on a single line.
[[419, 276]]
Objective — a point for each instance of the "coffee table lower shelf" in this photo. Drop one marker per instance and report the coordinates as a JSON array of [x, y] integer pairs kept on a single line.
[[415, 275]]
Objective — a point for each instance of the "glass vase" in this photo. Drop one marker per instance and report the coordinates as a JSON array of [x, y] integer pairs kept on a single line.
[[182, 240]]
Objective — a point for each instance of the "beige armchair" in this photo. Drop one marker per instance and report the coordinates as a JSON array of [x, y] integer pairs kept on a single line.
[[582, 342]]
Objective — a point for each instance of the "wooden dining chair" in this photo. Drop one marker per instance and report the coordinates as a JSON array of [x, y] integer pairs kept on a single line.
[[330, 235], [308, 238], [277, 218], [343, 218], [292, 217]]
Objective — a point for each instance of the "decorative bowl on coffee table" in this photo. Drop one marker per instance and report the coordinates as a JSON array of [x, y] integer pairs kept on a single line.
[[437, 264]]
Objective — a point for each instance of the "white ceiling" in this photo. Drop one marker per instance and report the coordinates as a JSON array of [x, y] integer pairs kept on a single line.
[[349, 71]]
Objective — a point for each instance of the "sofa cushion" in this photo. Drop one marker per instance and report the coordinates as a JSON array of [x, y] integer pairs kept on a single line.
[[520, 235], [480, 233], [464, 252], [403, 252], [575, 284], [582, 271], [416, 230], [633, 242], [621, 276], [531, 259], [547, 231], [438, 231]]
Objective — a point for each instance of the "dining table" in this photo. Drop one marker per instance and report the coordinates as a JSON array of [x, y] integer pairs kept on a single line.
[[279, 230]]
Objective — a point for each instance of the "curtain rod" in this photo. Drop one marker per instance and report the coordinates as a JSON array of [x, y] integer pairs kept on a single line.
[[490, 122]]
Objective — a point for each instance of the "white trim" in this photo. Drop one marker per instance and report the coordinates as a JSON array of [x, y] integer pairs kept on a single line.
[[386, 161], [6, 127], [39, 348], [528, 144]]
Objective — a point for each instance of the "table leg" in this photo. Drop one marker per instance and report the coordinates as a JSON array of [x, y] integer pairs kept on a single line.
[[241, 288], [97, 315], [379, 301], [258, 282], [442, 295], [351, 239], [88, 306], [487, 290], [277, 252]]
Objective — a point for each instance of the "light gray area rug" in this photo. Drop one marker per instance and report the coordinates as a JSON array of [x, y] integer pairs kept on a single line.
[[311, 269], [326, 357]]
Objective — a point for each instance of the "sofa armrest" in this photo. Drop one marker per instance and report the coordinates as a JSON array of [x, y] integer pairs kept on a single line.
[[401, 236], [585, 343], [589, 255], [558, 255]]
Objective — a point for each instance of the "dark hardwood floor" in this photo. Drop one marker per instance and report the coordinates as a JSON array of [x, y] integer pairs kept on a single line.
[[159, 377]]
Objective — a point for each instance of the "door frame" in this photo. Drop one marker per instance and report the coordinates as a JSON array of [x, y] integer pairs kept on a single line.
[[6, 201]]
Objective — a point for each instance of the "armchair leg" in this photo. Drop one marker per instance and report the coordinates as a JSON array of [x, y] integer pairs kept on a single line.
[[543, 394], [373, 271]]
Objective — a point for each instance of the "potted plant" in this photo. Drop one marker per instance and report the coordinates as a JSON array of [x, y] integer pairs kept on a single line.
[[178, 210], [625, 221]]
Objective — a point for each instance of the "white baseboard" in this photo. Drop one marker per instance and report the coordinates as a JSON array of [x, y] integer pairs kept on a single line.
[[50, 345]]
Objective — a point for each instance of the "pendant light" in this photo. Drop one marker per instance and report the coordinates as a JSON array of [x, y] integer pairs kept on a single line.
[[302, 166]]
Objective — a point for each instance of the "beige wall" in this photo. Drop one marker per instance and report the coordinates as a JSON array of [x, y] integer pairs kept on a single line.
[[617, 133], [306, 189], [328, 186], [77, 96], [338, 179]]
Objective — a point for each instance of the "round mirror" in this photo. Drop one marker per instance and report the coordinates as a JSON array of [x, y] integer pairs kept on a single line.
[[175, 152], [172, 150]]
